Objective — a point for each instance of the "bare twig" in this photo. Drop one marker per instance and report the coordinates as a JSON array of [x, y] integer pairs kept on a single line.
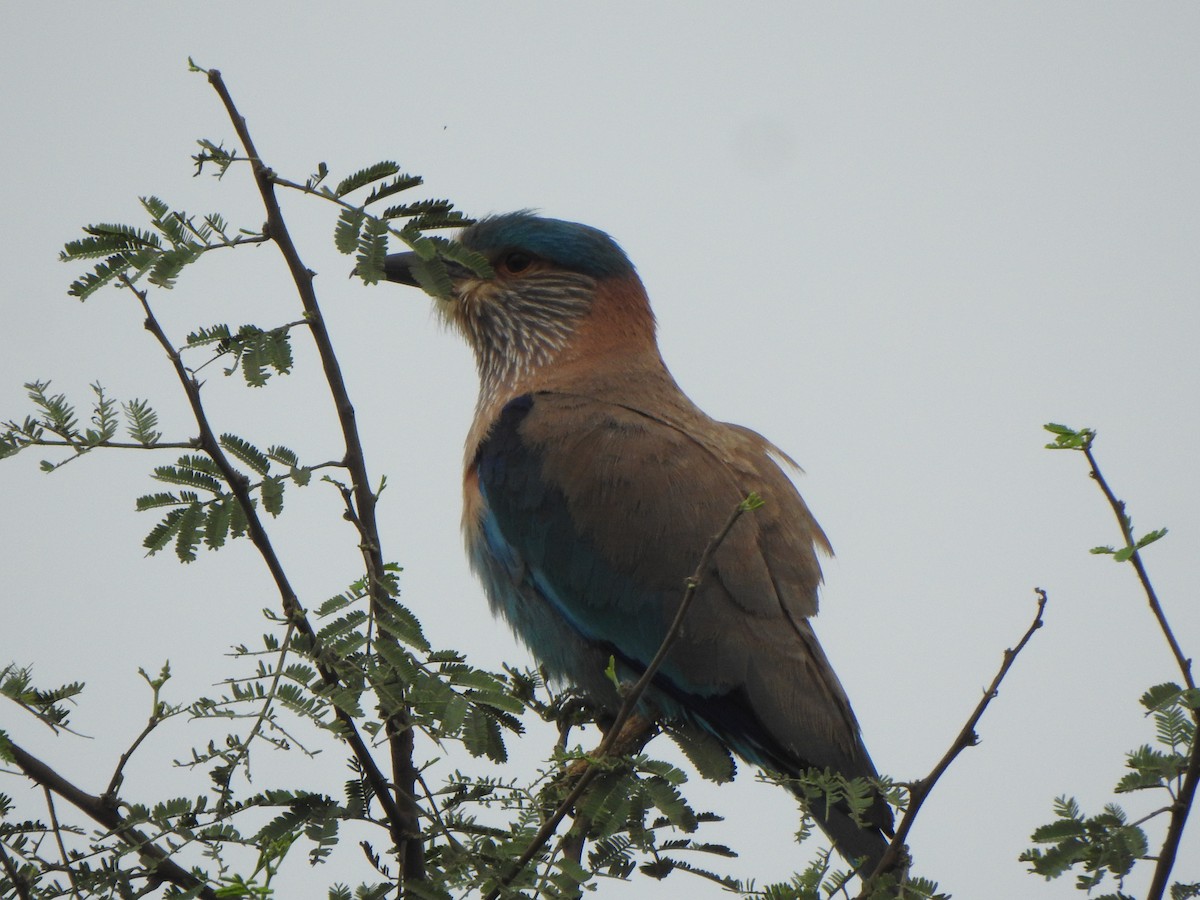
[[966, 738], [402, 808], [616, 733], [106, 813], [156, 717]]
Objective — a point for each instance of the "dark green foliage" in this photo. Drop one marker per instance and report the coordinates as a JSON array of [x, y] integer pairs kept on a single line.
[[1104, 844], [363, 177], [176, 241], [254, 350], [395, 186], [142, 422], [372, 248], [428, 214], [345, 235], [212, 519], [55, 423], [214, 154], [1107, 843]]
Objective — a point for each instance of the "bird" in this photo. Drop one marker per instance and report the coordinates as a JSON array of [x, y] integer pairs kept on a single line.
[[592, 487]]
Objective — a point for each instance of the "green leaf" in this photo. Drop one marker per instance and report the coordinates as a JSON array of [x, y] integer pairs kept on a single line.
[[482, 735], [104, 273], [188, 474], [709, 755], [272, 495], [209, 335], [187, 536], [160, 535], [1066, 438], [372, 251], [477, 263], [156, 501], [399, 623], [1151, 537], [345, 235], [366, 176], [283, 456], [670, 802], [250, 455], [395, 186], [428, 214], [141, 422], [433, 278], [216, 526]]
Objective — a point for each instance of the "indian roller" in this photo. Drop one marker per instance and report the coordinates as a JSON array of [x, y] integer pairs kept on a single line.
[[593, 486]]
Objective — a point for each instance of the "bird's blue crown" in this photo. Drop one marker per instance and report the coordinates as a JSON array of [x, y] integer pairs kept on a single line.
[[570, 245]]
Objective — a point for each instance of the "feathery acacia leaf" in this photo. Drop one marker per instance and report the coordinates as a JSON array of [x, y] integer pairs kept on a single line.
[[428, 214], [141, 422], [216, 525], [395, 186], [246, 452], [187, 476], [272, 494], [366, 176], [108, 238], [187, 534], [162, 533], [477, 263], [372, 250], [104, 273], [211, 335], [345, 234]]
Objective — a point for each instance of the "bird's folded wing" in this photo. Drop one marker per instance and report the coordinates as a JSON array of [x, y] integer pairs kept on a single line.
[[602, 511]]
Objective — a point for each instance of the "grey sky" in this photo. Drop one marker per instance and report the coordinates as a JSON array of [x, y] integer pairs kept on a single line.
[[895, 239]]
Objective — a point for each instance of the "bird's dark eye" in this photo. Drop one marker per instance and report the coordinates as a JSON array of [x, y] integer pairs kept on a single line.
[[516, 261]]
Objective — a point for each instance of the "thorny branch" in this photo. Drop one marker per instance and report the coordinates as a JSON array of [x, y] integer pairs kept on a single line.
[[238, 485], [402, 809], [158, 713], [104, 811], [618, 733]]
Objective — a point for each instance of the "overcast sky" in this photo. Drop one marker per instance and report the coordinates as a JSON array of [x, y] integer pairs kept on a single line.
[[894, 238]]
